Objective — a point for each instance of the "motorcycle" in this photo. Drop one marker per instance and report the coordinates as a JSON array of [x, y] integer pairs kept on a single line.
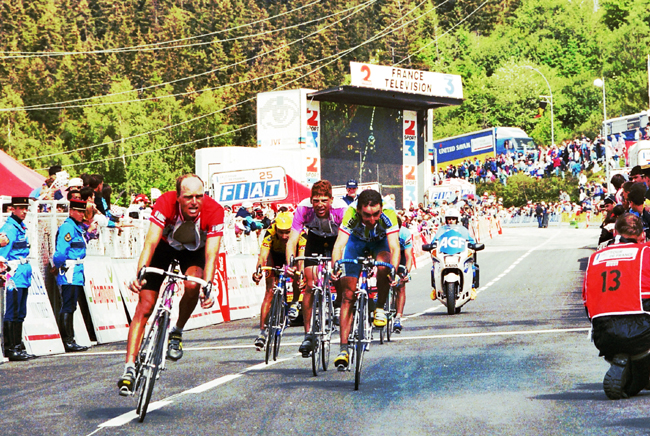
[[454, 272]]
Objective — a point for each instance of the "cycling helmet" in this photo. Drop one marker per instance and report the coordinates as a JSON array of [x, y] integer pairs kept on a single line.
[[452, 213], [283, 220]]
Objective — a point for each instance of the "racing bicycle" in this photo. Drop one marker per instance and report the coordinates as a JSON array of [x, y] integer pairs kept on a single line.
[[278, 316], [361, 331], [391, 306], [322, 313], [151, 357]]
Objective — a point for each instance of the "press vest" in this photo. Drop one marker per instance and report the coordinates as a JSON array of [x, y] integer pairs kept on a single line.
[[616, 280]]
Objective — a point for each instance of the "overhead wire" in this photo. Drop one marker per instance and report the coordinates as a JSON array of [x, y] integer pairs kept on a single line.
[[51, 106], [336, 57], [449, 30], [146, 47], [157, 149]]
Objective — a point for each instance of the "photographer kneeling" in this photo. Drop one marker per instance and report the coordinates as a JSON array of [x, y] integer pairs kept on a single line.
[[616, 295]]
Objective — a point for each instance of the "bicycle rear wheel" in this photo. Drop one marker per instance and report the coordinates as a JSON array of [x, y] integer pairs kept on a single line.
[[360, 345], [390, 313], [151, 365]]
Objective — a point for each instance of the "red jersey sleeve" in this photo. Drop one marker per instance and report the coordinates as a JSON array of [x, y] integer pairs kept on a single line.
[[164, 210]]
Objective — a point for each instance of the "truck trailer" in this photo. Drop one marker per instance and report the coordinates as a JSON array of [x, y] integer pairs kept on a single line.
[[482, 144]]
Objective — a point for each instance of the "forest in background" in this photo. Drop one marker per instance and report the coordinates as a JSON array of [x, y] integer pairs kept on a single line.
[[130, 89]]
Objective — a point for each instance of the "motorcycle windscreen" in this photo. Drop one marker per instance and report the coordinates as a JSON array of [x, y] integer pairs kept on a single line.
[[451, 242]]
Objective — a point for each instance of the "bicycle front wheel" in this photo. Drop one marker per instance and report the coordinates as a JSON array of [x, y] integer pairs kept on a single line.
[[281, 316], [327, 323], [271, 326], [360, 345], [151, 365], [316, 329]]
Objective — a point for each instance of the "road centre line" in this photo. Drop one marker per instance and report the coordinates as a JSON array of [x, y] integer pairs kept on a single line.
[[506, 271]]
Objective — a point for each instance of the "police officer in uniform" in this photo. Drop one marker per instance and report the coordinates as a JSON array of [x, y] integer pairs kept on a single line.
[[16, 252], [351, 188], [68, 260]]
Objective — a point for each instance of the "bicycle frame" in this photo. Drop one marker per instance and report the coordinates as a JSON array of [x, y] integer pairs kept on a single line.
[[361, 330], [151, 356]]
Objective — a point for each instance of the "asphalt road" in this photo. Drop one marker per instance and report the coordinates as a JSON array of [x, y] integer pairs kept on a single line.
[[517, 361]]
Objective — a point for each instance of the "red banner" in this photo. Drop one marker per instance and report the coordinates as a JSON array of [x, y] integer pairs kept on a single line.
[[220, 285]]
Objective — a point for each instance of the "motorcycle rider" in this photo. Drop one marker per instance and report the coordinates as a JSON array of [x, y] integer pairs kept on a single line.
[[616, 295], [452, 218]]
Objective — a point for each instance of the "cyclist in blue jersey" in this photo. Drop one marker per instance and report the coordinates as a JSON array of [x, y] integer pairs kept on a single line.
[[406, 260], [367, 227]]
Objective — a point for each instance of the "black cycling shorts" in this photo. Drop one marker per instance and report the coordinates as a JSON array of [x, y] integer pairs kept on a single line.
[[163, 256], [318, 246], [279, 259]]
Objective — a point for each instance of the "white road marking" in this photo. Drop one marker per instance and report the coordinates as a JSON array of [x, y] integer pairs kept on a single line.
[[130, 416], [473, 335], [497, 278]]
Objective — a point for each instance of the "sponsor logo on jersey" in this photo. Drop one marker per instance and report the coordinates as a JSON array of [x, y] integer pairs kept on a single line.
[[387, 222]]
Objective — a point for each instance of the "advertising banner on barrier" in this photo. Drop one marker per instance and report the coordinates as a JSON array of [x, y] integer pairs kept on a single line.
[[40, 331], [220, 287], [105, 300], [125, 270], [244, 296]]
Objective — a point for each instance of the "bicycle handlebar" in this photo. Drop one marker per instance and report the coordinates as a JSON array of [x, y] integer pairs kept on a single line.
[[151, 270], [319, 259], [365, 261]]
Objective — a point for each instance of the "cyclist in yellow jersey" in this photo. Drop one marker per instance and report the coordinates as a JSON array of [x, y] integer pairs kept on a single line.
[[366, 228], [272, 253]]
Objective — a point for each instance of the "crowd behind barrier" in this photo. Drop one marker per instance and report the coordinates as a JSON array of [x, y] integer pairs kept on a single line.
[[111, 264]]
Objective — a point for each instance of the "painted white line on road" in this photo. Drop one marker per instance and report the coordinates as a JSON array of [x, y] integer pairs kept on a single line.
[[130, 416], [110, 353], [470, 335], [506, 271]]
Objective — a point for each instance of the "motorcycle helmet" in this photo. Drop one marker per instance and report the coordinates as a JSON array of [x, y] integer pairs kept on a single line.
[[452, 213]]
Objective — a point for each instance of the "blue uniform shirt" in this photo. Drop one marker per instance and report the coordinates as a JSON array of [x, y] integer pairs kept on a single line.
[[70, 245], [17, 249]]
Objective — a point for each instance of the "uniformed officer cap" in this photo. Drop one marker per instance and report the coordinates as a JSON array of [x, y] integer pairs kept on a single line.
[[645, 170], [20, 201], [610, 199], [636, 170], [78, 205]]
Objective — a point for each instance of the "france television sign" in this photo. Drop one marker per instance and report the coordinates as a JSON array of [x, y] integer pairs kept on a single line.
[[406, 80], [264, 184]]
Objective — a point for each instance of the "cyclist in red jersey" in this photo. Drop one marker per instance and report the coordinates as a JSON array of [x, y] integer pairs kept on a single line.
[[186, 225]]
